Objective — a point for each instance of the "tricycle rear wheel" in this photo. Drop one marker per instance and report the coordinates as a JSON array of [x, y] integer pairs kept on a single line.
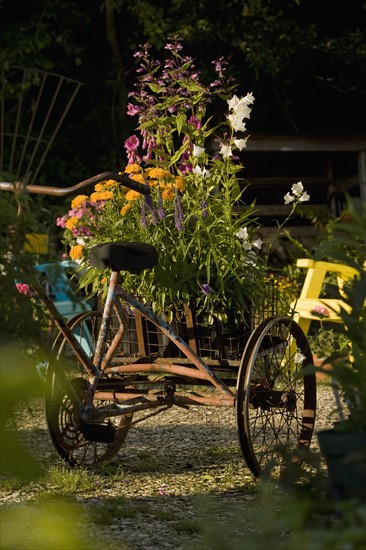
[[276, 398]]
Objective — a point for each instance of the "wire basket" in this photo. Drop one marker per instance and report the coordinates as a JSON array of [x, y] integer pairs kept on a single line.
[[209, 339]]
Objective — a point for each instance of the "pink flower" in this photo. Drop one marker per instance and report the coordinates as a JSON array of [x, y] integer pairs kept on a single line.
[[195, 122], [320, 311], [61, 222], [132, 143], [23, 288], [132, 109]]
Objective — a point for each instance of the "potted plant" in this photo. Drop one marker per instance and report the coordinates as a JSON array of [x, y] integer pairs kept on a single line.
[[344, 446], [186, 148], [325, 342]]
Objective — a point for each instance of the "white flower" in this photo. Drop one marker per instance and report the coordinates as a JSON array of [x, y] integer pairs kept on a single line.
[[241, 143], [201, 172], [288, 198], [197, 150], [304, 197], [242, 233], [247, 245], [236, 122], [241, 106], [257, 243], [299, 358], [243, 110], [249, 98], [299, 194], [225, 150], [297, 188], [232, 103]]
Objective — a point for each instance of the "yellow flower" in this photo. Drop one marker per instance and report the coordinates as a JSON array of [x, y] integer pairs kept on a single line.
[[101, 196], [132, 168], [168, 193], [76, 252], [111, 183], [99, 187], [138, 177], [132, 195], [126, 208], [157, 173], [103, 185], [78, 201], [71, 222], [179, 183]]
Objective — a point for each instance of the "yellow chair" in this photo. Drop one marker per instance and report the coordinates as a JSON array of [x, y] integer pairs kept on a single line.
[[308, 306]]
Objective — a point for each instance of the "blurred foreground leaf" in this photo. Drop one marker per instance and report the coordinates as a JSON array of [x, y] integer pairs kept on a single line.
[[19, 382]]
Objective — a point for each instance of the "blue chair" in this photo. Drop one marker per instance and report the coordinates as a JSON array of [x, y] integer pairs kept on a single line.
[[57, 285], [55, 278]]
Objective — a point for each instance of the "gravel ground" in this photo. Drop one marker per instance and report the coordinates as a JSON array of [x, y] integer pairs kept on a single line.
[[172, 471]]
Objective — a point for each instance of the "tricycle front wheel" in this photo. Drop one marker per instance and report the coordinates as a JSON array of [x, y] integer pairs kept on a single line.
[[276, 398], [77, 446]]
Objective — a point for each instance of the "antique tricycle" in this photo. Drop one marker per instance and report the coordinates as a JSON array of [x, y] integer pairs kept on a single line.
[[101, 381]]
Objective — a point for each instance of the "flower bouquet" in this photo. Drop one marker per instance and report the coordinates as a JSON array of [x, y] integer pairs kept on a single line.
[[185, 148]]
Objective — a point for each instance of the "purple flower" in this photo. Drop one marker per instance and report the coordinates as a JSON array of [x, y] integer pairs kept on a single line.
[[206, 289], [178, 211], [161, 211], [204, 207]]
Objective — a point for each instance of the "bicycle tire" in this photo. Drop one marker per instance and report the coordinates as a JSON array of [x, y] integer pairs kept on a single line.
[[63, 423], [276, 399]]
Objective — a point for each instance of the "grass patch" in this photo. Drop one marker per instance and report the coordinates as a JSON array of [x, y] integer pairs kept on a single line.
[[69, 482]]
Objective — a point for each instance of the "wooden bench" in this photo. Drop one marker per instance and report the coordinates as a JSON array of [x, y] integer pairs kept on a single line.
[[310, 304]]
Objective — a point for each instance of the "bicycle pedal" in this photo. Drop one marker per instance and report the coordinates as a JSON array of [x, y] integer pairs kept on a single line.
[[100, 433]]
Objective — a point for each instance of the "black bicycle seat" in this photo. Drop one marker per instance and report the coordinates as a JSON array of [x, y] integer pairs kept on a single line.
[[123, 256]]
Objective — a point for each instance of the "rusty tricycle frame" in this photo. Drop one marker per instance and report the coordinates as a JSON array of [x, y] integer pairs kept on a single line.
[[93, 391]]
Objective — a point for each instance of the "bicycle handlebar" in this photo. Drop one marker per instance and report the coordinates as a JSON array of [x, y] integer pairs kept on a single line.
[[63, 191]]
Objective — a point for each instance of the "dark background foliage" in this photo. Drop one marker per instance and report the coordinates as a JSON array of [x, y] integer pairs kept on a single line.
[[304, 61]]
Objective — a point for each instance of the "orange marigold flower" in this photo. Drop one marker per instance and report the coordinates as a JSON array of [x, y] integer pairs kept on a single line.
[[101, 196], [168, 193], [138, 177], [126, 208], [179, 183], [111, 183], [132, 195], [71, 222], [104, 185], [157, 173], [132, 168], [99, 186], [76, 252], [78, 201]]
